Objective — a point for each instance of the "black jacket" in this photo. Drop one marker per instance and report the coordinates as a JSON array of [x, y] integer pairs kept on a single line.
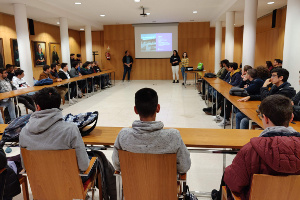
[[62, 75], [173, 59], [124, 61], [296, 99], [253, 86]]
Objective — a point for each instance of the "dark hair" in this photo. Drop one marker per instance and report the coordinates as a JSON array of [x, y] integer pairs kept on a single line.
[[281, 72], [252, 72], [8, 66], [233, 65], [2, 70], [53, 66], [126, 51], [278, 60], [78, 55], [225, 61], [278, 109], [175, 52], [19, 72], [63, 65], [247, 67], [47, 98], [84, 65], [72, 54], [186, 54], [45, 67], [146, 101], [262, 72], [269, 64], [75, 63]]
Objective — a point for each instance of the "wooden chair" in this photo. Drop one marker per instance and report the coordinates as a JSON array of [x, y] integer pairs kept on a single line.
[[148, 176], [266, 187], [54, 174]]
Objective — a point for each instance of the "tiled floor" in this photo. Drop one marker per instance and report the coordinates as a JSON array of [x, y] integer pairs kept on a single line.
[[180, 107]]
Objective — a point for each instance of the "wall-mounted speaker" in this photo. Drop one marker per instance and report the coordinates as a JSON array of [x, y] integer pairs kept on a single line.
[[31, 26], [274, 18]]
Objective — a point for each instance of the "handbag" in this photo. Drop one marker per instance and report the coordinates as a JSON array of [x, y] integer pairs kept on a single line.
[[210, 75], [12, 131], [82, 120], [189, 195], [296, 112], [236, 91]]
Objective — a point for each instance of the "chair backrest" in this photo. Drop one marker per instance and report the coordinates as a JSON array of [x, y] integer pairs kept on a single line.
[[275, 187], [2, 182], [148, 176], [53, 174]]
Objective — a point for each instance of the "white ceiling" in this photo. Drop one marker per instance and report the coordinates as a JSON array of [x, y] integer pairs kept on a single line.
[[128, 11]]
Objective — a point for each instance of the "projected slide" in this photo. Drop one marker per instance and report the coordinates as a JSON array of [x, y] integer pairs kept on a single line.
[[156, 42]]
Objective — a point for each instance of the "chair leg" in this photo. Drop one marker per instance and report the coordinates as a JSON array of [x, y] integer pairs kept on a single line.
[[23, 182], [27, 111], [100, 186]]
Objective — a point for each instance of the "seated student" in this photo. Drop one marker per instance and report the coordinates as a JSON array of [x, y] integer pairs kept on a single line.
[[47, 73], [148, 135], [12, 184], [65, 74], [269, 65], [274, 152], [74, 72], [104, 77], [85, 70], [10, 71], [277, 63], [46, 129]]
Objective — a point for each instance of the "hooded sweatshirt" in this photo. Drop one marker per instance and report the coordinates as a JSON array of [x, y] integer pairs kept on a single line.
[[150, 137], [46, 130], [276, 152]]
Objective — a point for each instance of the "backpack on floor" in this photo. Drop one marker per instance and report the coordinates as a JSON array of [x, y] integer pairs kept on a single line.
[[12, 131], [82, 120], [189, 195]]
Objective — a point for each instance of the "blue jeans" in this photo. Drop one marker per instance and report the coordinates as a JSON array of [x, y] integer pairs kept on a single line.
[[126, 70], [241, 120], [11, 109], [184, 75]]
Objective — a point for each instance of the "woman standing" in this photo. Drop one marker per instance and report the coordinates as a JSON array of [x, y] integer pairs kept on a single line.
[[184, 64], [175, 60]]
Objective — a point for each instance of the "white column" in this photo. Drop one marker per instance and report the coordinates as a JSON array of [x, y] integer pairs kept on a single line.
[[229, 36], [88, 43], [218, 45], [64, 39], [291, 50], [249, 37], [23, 42]]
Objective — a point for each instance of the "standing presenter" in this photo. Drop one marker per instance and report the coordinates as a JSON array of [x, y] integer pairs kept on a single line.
[[127, 62], [184, 64], [175, 60]]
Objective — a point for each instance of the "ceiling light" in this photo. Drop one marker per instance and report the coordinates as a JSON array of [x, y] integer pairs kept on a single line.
[[102, 15], [147, 13], [82, 29], [271, 2], [57, 22], [137, 1], [77, 3], [195, 11]]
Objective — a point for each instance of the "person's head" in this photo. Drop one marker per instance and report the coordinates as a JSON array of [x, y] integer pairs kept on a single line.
[[78, 56], [269, 64], [72, 55], [75, 64], [279, 63], [184, 55], [39, 48], [10, 68], [54, 48], [146, 104], [19, 73], [64, 66], [246, 68], [47, 98], [276, 62], [232, 66], [85, 65], [262, 72], [46, 69], [54, 67], [3, 73], [279, 76], [175, 53], [276, 110], [225, 63], [251, 74], [127, 53]]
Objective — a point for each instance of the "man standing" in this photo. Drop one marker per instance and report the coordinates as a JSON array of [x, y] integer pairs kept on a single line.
[[127, 62], [55, 58]]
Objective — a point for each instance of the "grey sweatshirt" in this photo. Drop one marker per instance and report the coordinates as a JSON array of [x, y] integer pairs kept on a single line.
[[46, 130], [150, 137]]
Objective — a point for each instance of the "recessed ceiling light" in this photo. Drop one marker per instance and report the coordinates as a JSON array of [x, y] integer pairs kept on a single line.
[[195, 11], [102, 15], [137, 1], [271, 2], [57, 22], [82, 29], [77, 3], [147, 13]]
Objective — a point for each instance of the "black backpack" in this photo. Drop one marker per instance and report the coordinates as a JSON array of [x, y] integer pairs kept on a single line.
[[210, 75]]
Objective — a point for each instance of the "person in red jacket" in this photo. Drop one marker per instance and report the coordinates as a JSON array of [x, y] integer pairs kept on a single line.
[[275, 152]]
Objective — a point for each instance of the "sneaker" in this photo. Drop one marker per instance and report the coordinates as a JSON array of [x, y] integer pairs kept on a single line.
[[177, 81], [217, 118], [207, 109], [227, 122], [70, 101], [214, 194], [173, 81], [74, 99], [182, 83]]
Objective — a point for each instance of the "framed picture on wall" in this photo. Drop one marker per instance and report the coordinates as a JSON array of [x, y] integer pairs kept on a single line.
[[39, 53], [55, 53], [14, 52], [2, 64]]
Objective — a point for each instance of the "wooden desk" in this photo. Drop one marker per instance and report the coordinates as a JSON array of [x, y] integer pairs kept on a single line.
[[192, 137], [213, 80], [195, 72]]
